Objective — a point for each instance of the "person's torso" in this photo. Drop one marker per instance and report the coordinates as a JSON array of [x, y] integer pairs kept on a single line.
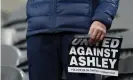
[[59, 15]]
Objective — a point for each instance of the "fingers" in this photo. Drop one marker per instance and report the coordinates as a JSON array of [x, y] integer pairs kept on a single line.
[[93, 36], [91, 30], [102, 37], [96, 35], [97, 32]]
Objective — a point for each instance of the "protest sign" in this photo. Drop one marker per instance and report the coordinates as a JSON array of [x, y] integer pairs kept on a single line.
[[101, 58]]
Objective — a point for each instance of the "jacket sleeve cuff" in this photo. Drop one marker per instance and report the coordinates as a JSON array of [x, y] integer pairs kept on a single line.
[[103, 18]]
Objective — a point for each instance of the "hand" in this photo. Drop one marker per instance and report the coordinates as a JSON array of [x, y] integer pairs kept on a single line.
[[97, 32]]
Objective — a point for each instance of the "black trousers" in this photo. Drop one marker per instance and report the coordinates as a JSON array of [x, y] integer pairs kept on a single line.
[[48, 57]]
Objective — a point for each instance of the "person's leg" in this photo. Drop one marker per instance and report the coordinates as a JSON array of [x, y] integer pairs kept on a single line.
[[66, 40], [43, 58]]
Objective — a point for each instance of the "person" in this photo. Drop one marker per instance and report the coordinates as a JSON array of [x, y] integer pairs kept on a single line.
[[52, 25]]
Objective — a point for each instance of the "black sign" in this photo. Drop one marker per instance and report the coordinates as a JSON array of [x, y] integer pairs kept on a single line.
[[101, 58]]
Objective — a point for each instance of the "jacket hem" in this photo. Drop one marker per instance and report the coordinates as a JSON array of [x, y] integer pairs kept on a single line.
[[83, 31]]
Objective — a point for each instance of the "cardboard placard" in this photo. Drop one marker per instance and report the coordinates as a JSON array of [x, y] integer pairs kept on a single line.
[[101, 58]]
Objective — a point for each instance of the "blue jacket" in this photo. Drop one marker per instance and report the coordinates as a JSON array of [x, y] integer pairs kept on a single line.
[[54, 16]]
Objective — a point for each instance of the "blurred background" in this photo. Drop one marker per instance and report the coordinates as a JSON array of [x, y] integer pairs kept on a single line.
[[14, 25]]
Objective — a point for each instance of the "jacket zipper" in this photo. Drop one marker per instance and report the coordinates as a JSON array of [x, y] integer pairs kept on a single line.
[[91, 2], [53, 13]]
